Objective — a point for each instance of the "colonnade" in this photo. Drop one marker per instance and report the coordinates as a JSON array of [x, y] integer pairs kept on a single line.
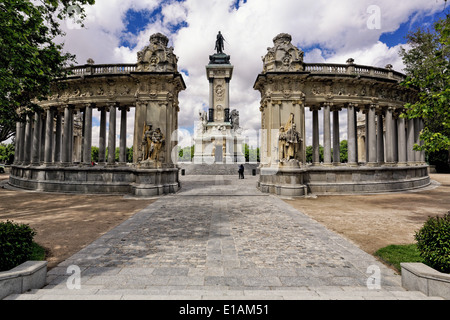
[[389, 138], [47, 138]]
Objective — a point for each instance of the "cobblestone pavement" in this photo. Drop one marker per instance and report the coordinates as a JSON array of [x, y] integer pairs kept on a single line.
[[220, 238]]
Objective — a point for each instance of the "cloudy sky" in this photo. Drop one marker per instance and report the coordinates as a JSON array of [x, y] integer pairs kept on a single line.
[[369, 31]]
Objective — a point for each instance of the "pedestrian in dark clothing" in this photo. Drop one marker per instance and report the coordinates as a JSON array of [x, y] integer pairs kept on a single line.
[[241, 171]]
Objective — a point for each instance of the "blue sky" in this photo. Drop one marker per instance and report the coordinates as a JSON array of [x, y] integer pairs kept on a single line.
[[326, 30]]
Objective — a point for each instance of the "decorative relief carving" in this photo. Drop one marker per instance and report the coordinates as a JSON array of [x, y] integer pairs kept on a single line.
[[284, 56], [157, 57]]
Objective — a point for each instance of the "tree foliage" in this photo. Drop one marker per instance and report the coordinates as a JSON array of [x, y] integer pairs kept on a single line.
[[428, 69], [30, 59]]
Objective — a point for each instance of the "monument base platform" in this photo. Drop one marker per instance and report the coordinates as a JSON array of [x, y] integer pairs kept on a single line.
[[99, 179], [342, 179]]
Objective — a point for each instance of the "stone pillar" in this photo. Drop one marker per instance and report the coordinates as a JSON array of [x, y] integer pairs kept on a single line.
[[102, 137], [28, 140], [351, 135], [401, 134], [315, 138], [326, 134], [42, 139], [380, 137], [123, 135], [87, 143], [389, 136], [58, 137], [410, 142], [71, 138], [372, 139], [66, 143], [336, 140], [395, 132], [112, 135], [35, 155], [48, 149], [17, 143], [21, 142]]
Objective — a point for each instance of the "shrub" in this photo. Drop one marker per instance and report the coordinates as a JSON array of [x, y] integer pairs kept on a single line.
[[433, 242], [16, 244]]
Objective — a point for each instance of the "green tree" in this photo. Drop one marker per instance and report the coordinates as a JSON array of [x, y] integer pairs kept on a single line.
[[343, 151], [94, 153], [7, 153], [30, 59], [309, 154], [428, 70]]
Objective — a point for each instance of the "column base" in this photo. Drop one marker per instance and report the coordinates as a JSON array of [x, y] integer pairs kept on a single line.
[[372, 164]]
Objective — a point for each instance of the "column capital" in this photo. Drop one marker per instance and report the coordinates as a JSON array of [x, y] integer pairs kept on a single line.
[[314, 108], [124, 108]]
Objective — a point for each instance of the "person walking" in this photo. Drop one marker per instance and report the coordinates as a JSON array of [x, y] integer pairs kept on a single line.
[[241, 171]]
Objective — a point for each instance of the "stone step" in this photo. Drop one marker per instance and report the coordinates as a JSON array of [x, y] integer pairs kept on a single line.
[[306, 293]]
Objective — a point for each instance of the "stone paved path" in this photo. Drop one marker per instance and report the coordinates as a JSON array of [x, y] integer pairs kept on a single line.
[[220, 238]]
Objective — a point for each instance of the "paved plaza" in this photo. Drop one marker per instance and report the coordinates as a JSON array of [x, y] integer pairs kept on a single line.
[[219, 238]]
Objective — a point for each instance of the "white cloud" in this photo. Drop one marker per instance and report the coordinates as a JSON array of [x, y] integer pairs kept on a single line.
[[334, 30]]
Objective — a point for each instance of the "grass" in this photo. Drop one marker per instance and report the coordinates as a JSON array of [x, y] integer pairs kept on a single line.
[[395, 254]]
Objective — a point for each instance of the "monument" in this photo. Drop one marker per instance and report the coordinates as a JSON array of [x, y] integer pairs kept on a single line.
[[289, 87], [218, 134], [150, 86]]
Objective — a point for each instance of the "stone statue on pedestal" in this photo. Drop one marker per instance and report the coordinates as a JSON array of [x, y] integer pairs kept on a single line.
[[219, 43], [288, 140]]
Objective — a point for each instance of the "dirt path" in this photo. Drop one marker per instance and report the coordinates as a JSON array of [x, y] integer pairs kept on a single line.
[[377, 220]]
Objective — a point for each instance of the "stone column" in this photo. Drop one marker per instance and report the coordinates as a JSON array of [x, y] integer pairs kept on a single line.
[[380, 137], [102, 137], [71, 138], [395, 132], [35, 155], [42, 139], [28, 140], [48, 149], [389, 136], [372, 139], [410, 142], [326, 134], [336, 140], [66, 150], [87, 143], [58, 137], [17, 143], [123, 135], [351, 133], [401, 134], [21, 142], [112, 135], [315, 138]]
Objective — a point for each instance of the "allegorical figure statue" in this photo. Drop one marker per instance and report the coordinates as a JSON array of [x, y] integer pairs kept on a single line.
[[219, 43], [157, 141], [152, 142], [288, 140]]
